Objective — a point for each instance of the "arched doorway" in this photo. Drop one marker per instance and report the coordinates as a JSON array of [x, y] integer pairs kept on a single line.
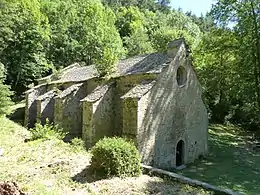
[[180, 153]]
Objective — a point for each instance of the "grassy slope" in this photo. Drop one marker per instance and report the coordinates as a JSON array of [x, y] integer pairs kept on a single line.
[[40, 167], [231, 163], [54, 167]]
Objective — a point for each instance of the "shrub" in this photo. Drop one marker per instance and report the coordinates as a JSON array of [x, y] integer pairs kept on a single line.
[[77, 144], [5, 93], [117, 157], [47, 131]]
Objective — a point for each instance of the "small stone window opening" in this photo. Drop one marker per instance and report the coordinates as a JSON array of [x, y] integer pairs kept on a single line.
[[181, 76], [180, 153]]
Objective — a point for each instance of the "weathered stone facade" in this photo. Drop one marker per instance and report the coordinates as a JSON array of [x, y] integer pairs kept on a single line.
[[153, 99]]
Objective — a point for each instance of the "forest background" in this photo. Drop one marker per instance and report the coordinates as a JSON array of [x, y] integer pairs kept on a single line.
[[39, 37]]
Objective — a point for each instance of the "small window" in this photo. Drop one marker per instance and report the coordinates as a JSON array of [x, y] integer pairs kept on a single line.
[[181, 76]]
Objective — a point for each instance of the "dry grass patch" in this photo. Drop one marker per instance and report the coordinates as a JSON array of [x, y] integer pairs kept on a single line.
[[144, 185]]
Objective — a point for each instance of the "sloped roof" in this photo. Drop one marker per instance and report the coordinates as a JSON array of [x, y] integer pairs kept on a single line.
[[97, 93], [69, 90], [78, 74], [53, 77], [151, 63], [139, 90], [49, 94]]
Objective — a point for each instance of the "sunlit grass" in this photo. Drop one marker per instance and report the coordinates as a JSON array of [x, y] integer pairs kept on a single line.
[[29, 163]]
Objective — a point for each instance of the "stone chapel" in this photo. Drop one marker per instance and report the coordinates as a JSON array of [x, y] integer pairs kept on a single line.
[[153, 99]]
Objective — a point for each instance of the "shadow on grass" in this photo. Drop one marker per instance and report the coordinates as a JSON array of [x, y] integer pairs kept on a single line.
[[230, 163], [165, 185], [88, 175], [17, 115]]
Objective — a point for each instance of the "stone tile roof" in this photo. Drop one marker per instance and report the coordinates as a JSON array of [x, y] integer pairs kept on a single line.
[[152, 63], [97, 93], [139, 90], [69, 90], [49, 94], [52, 77], [78, 74], [35, 88]]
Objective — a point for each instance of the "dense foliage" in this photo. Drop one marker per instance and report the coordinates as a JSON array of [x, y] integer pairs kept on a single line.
[[24, 34], [116, 157], [39, 36], [5, 93], [228, 62]]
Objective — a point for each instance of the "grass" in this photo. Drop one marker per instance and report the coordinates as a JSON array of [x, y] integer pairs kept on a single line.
[[52, 167], [40, 166], [231, 163]]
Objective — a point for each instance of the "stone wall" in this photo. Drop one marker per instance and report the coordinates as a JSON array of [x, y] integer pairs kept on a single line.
[[68, 109], [156, 115], [134, 109], [145, 139], [31, 105], [123, 85], [175, 112], [98, 114], [130, 120], [45, 107]]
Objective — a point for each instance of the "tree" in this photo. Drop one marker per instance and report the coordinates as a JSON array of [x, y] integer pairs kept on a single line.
[[24, 34], [245, 18], [173, 25], [120, 3], [5, 93], [130, 24], [215, 59], [205, 23], [82, 31]]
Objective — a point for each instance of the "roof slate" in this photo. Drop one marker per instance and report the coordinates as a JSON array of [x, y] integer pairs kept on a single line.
[[69, 90], [49, 94], [139, 90], [97, 93], [152, 63], [78, 74]]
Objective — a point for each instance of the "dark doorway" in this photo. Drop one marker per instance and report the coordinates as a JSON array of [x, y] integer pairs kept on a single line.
[[180, 153]]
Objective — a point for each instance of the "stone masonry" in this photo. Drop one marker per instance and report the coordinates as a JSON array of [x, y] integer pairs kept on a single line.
[[153, 99]]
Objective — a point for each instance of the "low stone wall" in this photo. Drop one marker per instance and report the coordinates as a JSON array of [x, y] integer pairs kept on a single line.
[[187, 180]]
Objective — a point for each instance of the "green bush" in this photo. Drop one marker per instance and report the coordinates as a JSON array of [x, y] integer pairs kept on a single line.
[[47, 131], [77, 144], [5, 93], [116, 157]]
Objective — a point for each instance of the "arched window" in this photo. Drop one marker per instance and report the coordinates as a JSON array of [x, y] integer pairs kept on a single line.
[[180, 153], [181, 76]]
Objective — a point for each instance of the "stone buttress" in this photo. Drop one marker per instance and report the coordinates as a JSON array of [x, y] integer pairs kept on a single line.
[[98, 114]]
